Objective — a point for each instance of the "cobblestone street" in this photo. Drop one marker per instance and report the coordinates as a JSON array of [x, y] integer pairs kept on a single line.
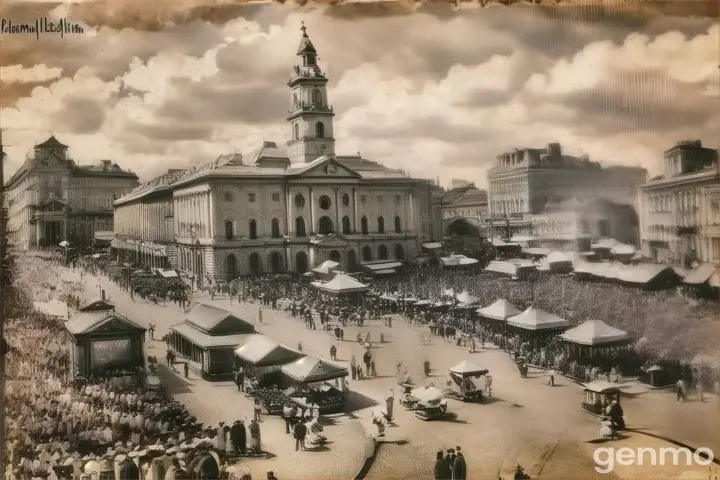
[[526, 422]]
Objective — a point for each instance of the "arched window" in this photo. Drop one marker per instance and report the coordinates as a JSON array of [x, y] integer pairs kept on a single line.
[[252, 228], [336, 257], [231, 269], [300, 227], [382, 252], [325, 226], [346, 199], [352, 260], [295, 101], [381, 225], [364, 225], [316, 96], [399, 252], [296, 131], [604, 229], [299, 201], [275, 227], [320, 130], [325, 202], [229, 230], [346, 225], [398, 225], [275, 263], [367, 253]]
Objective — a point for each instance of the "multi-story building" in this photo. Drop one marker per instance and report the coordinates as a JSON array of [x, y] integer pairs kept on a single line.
[[144, 225], [465, 201], [51, 198], [711, 225], [671, 226], [525, 181], [288, 207]]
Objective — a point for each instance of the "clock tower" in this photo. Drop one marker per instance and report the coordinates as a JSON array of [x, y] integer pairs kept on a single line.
[[310, 115]]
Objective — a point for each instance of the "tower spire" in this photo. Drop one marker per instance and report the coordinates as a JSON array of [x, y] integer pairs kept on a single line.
[[306, 50]]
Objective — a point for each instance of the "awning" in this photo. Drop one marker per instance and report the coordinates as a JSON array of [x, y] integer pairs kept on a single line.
[[468, 368], [204, 340], [534, 319], [432, 245], [700, 274], [595, 332], [536, 251], [622, 249], [523, 238], [382, 266], [457, 261], [389, 271], [499, 310], [312, 369], [558, 257], [168, 273], [467, 299]]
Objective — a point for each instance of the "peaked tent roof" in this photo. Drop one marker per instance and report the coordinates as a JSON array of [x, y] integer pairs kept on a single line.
[[467, 299], [202, 339], [557, 257], [457, 260], [642, 273], [595, 332], [313, 369], [306, 45], [261, 351], [467, 367], [534, 319], [97, 305], [700, 274], [343, 284], [207, 317], [623, 249], [500, 309], [326, 266]]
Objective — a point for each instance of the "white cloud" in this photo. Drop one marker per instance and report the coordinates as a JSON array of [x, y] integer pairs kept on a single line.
[[35, 74]]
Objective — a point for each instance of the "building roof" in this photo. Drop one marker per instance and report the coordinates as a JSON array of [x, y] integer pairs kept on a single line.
[[700, 274], [209, 318], [306, 45], [260, 350], [642, 273], [343, 284], [51, 142], [467, 367], [202, 339], [88, 322], [595, 332], [313, 369], [534, 319], [500, 309]]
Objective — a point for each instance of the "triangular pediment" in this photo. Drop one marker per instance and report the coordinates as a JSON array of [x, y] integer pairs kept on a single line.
[[114, 325], [324, 167]]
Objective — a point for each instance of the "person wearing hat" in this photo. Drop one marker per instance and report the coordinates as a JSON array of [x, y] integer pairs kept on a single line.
[[459, 467], [271, 476], [287, 416], [442, 468], [299, 432], [255, 442], [520, 474]]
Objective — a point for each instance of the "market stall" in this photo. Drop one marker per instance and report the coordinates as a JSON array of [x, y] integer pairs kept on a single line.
[[558, 262], [326, 270], [343, 286], [458, 262], [464, 380], [262, 358], [536, 325], [312, 378], [498, 312], [595, 338]]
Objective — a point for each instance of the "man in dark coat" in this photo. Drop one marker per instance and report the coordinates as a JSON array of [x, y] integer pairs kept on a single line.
[[459, 466], [442, 468], [239, 437], [450, 457], [300, 431]]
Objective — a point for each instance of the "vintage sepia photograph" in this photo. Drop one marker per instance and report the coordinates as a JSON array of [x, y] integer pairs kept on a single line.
[[360, 240]]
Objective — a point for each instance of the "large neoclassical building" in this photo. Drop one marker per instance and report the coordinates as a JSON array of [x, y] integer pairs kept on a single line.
[[280, 207]]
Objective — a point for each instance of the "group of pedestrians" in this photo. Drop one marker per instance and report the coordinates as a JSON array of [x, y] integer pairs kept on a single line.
[[450, 466]]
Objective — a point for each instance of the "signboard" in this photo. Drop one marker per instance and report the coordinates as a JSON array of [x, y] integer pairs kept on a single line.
[[111, 353]]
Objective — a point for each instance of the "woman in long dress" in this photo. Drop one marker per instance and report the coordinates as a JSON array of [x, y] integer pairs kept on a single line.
[[255, 442]]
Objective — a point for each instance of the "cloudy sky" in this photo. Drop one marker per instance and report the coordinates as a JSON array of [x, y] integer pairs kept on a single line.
[[430, 90]]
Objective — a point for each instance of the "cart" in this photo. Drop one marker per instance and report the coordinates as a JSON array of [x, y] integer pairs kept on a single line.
[[462, 385], [598, 396], [429, 411]]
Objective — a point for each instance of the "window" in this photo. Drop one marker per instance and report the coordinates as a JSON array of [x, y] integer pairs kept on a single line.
[[228, 196], [382, 252], [325, 226], [299, 201], [316, 96], [364, 225], [381, 225], [346, 225], [275, 197], [320, 130], [252, 228], [251, 197], [275, 227], [346, 199], [229, 230], [380, 199], [399, 252], [325, 202], [296, 131], [398, 226], [366, 253], [300, 227]]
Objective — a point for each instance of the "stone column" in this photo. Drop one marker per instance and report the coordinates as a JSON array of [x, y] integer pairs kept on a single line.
[[289, 217], [211, 218], [355, 210], [338, 222], [412, 227], [311, 231]]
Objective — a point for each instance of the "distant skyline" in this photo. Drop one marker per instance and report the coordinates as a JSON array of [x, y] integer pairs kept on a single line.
[[436, 93]]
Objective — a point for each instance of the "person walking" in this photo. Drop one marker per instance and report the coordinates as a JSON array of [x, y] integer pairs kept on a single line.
[[287, 416], [299, 432], [442, 468], [257, 409], [389, 403], [459, 469], [240, 380], [680, 390], [186, 368]]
